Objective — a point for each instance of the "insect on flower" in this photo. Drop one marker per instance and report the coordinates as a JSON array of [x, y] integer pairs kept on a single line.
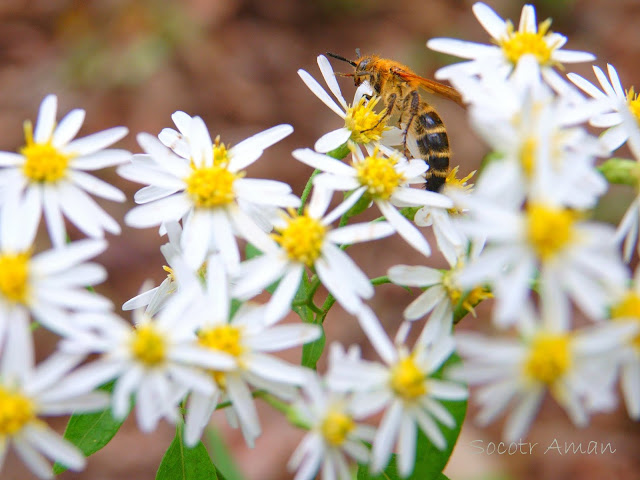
[[424, 133]]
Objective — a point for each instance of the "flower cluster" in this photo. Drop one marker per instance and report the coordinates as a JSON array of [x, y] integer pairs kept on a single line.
[[203, 341]]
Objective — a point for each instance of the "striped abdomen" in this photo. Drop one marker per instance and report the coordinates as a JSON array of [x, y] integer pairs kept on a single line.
[[433, 144]]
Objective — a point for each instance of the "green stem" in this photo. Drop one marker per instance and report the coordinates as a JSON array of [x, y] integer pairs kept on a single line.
[[290, 412], [306, 192], [380, 280]]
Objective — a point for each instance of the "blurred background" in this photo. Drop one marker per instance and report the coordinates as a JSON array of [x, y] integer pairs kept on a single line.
[[234, 63]]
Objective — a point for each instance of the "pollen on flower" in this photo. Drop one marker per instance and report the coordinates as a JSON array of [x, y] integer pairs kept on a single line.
[[336, 427], [43, 162], [222, 338], [455, 293], [528, 156], [628, 310], [220, 153], [363, 122], [453, 183], [549, 229], [14, 277], [16, 411], [633, 102], [516, 44], [211, 187], [148, 345], [378, 174], [549, 358], [407, 380], [302, 238]]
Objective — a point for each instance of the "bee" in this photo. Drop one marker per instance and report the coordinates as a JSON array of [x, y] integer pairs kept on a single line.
[[399, 88]]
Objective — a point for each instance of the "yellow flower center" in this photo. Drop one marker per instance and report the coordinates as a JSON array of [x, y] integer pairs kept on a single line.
[[549, 229], [379, 175], [336, 427], [222, 338], [628, 310], [549, 358], [516, 44], [364, 123], [43, 162], [14, 277], [633, 102], [148, 345], [302, 238], [211, 187], [528, 156], [472, 298], [453, 183], [220, 153], [16, 411], [407, 380]]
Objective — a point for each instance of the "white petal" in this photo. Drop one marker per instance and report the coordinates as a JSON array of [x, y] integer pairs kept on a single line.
[[319, 92], [280, 303], [414, 276], [68, 127], [100, 159], [96, 141], [360, 232], [520, 419], [332, 140], [405, 228], [323, 162], [462, 49], [490, 21], [154, 213], [377, 335], [46, 119], [97, 187], [281, 337], [386, 436]]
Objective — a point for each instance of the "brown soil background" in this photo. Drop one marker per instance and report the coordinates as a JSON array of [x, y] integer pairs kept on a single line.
[[234, 63]]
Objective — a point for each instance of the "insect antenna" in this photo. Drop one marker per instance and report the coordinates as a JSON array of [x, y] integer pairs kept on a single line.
[[350, 62]]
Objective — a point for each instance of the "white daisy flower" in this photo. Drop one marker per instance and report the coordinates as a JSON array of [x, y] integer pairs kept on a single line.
[[511, 46], [249, 340], [622, 119], [362, 124], [576, 367], [442, 294], [403, 386], [157, 359], [545, 240], [626, 309], [307, 240], [207, 190], [52, 168], [525, 126], [28, 393], [47, 285], [333, 434], [385, 180], [451, 241]]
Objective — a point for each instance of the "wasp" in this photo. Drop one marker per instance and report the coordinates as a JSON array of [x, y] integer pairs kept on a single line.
[[399, 88]]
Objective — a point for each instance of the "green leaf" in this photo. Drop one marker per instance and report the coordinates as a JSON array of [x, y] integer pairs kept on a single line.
[[90, 431], [340, 152], [312, 351], [251, 251], [182, 463], [225, 466], [430, 461]]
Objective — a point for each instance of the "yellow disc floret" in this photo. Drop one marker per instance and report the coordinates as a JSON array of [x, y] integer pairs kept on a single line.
[[336, 427], [16, 411], [455, 293], [454, 184], [408, 381], [516, 44], [378, 174], [43, 162], [633, 102], [549, 229], [211, 187], [302, 238], [220, 153], [628, 310], [363, 122], [528, 153], [14, 277], [148, 345], [222, 338], [549, 358]]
